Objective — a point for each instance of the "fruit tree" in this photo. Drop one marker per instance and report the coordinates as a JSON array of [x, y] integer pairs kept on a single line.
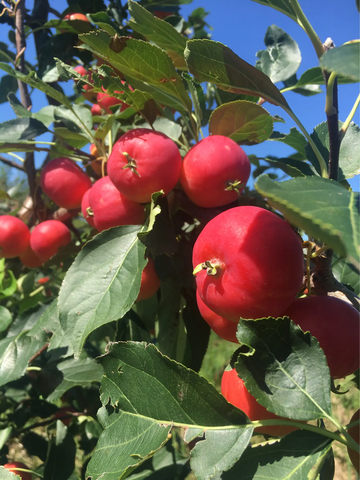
[[127, 270]]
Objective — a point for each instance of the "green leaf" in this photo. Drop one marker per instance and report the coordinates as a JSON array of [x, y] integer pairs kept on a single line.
[[209, 457], [182, 398], [71, 119], [45, 115], [102, 283], [291, 166], [21, 344], [34, 81], [282, 57], [20, 129], [284, 369], [29, 146], [6, 475], [17, 106], [282, 6], [321, 207], [159, 32], [290, 458], [103, 20], [294, 139], [349, 149], [126, 442], [8, 84], [198, 98], [60, 462], [348, 275], [74, 139], [142, 62], [213, 62], [81, 371], [5, 318], [307, 90], [343, 60], [314, 76], [244, 122]]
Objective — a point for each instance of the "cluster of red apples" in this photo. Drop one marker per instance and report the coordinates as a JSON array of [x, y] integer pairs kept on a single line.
[[249, 264]]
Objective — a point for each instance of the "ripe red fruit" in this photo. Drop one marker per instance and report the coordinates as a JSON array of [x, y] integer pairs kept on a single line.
[[223, 327], [76, 16], [248, 264], [335, 324], [150, 281], [105, 101], [88, 94], [13, 466], [143, 162], [48, 237], [14, 236], [30, 259], [86, 209], [234, 390], [64, 414], [355, 434], [110, 208], [64, 182], [214, 172], [96, 110]]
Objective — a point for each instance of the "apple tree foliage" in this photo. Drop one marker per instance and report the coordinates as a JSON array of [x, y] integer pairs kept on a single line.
[[70, 332]]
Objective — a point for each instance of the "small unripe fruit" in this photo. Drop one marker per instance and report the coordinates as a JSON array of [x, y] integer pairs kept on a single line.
[[48, 237], [14, 236], [64, 182], [150, 281]]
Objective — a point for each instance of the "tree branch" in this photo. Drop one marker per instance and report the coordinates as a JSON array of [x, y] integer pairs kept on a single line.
[[9, 163]]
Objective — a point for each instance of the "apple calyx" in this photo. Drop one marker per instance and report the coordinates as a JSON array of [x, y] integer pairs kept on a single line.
[[236, 185], [131, 163], [90, 212], [211, 268]]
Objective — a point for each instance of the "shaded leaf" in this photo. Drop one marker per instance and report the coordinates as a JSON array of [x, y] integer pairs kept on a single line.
[[282, 57], [20, 129], [60, 462], [102, 283], [344, 60], [8, 84], [71, 119], [307, 90], [349, 149], [290, 458], [314, 76], [294, 139], [5, 318], [284, 369], [142, 62], [348, 275], [158, 31], [291, 166], [26, 146], [244, 122], [321, 207], [282, 6], [103, 20], [16, 105], [213, 62], [81, 371]]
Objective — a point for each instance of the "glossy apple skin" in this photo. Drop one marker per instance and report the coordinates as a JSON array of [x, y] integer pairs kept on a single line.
[[223, 327], [14, 236], [150, 282], [105, 101], [64, 182], [234, 390], [111, 208], [355, 433], [76, 16], [209, 168], [260, 264], [96, 110], [335, 324], [47, 237], [30, 259], [158, 164], [88, 94], [13, 466]]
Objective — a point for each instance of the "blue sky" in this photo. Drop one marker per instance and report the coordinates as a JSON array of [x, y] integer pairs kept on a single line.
[[241, 25]]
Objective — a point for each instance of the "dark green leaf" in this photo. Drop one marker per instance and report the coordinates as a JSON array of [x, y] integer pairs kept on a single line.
[[282, 6], [17, 106], [60, 462], [344, 60], [349, 149], [102, 283], [291, 458], [20, 345], [35, 82], [294, 139], [348, 275], [282, 57], [245, 122], [7, 84], [71, 119], [306, 90], [314, 76], [35, 445], [321, 207], [142, 62], [5, 318], [159, 32], [74, 139], [81, 371], [198, 98], [28, 146], [20, 129], [291, 166], [285, 369], [103, 20], [213, 62]]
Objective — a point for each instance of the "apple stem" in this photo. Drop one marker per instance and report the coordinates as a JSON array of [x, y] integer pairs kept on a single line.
[[236, 185], [211, 268], [131, 163]]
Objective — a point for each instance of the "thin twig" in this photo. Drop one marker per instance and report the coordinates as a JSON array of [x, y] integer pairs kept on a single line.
[[10, 163]]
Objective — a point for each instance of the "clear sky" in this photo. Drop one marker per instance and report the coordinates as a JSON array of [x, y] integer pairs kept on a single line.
[[241, 25]]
